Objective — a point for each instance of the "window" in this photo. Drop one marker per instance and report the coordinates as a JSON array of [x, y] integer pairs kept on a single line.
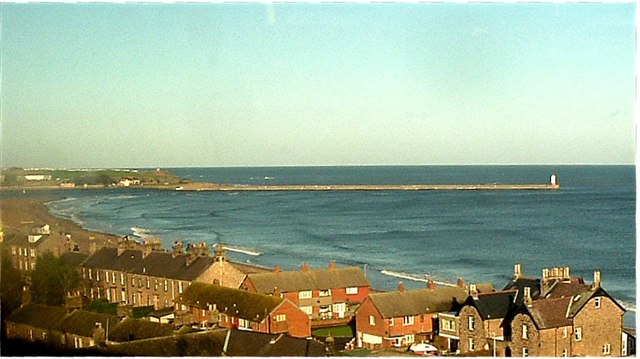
[[307, 310], [108, 295], [166, 285], [139, 282], [113, 277], [44, 336], [106, 276], [13, 250], [121, 278], [606, 349], [133, 281], [564, 353], [84, 273], [391, 322], [525, 352], [409, 339], [472, 345], [77, 342], [281, 317], [242, 323], [407, 320], [372, 320], [123, 297], [148, 282], [33, 265], [20, 250], [564, 332], [30, 334], [597, 301], [32, 252], [306, 294], [578, 334], [448, 324], [472, 322], [97, 275], [325, 293], [179, 287], [525, 331], [155, 284], [352, 290]]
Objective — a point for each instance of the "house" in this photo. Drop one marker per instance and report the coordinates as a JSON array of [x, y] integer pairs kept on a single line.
[[321, 293], [144, 274], [24, 250], [402, 317], [164, 316], [37, 177], [57, 327], [628, 341], [210, 304], [587, 322]]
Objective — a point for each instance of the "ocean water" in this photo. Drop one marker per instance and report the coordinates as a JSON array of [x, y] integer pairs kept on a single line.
[[589, 224]]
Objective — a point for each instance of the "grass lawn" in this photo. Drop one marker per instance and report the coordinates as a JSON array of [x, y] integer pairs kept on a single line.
[[344, 331]]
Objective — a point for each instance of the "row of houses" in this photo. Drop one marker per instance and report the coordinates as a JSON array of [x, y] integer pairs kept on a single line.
[[555, 315]]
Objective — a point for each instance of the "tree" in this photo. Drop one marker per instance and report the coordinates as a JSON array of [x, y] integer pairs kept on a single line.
[[52, 279], [10, 287]]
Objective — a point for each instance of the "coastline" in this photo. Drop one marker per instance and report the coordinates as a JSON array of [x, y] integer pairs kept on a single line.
[[19, 215]]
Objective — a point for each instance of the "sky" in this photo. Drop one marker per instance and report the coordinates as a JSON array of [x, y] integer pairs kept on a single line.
[[292, 84]]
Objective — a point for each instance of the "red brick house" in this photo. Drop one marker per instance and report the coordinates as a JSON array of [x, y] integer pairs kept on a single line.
[[400, 318], [321, 293], [210, 304]]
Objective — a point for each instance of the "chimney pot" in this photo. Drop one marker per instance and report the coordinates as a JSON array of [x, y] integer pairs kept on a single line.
[[517, 271], [597, 280], [332, 264], [277, 269], [401, 287], [431, 285], [473, 291], [460, 283], [527, 296], [305, 267]]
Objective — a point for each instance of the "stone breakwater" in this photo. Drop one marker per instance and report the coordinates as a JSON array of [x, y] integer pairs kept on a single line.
[[417, 187]]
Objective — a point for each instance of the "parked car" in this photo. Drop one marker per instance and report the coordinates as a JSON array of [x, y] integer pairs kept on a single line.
[[423, 349]]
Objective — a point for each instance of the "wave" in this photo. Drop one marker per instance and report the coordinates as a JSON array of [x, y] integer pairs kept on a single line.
[[425, 278], [246, 251], [631, 307], [141, 232]]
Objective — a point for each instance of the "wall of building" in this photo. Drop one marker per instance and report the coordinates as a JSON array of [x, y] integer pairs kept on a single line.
[[599, 326], [364, 329], [478, 334]]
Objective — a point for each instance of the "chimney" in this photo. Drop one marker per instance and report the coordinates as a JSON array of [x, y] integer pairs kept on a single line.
[[431, 285], [597, 281], [332, 264], [473, 291], [567, 273], [400, 287], [99, 334], [277, 269], [26, 295], [125, 243], [177, 248], [276, 292], [460, 283], [150, 245], [305, 267], [517, 271], [194, 251], [93, 247], [220, 252], [527, 296], [124, 310]]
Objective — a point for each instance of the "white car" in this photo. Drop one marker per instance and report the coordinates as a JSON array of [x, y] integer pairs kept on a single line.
[[423, 349]]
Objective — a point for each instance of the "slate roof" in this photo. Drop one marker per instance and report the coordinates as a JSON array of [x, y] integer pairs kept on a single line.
[[567, 289], [135, 329], [161, 312], [520, 283], [37, 315], [82, 322], [157, 264], [74, 258], [234, 302], [581, 299], [312, 279], [248, 268], [494, 305], [244, 343], [415, 302]]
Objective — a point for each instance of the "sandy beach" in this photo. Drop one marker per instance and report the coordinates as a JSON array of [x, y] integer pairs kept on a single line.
[[18, 216]]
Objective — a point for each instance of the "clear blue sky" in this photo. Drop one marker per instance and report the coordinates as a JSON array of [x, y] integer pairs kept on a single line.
[[145, 85]]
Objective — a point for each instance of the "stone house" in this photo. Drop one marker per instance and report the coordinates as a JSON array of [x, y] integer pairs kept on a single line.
[[402, 317], [321, 293], [214, 305], [586, 323], [24, 250], [147, 276]]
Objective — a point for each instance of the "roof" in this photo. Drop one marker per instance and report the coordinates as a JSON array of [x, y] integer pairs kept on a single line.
[[421, 301], [244, 343], [74, 258], [234, 302], [581, 299], [567, 289], [312, 279], [134, 329], [157, 264], [550, 313], [493, 305], [82, 322], [161, 312], [37, 315], [248, 268], [520, 283]]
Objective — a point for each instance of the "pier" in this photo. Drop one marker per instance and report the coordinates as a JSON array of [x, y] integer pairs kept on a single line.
[[339, 187]]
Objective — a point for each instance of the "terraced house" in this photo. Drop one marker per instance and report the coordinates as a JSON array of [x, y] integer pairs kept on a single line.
[[402, 317], [211, 305], [321, 293], [149, 276]]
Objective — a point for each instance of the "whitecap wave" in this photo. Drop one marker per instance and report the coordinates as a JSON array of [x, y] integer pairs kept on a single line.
[[247, 251], [141, 232], [425, 278], [631, 307]]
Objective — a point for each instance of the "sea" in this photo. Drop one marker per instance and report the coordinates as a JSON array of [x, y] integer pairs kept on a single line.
[[410, 236]]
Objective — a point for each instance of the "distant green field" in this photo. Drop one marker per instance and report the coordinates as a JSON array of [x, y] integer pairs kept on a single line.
[[106, 177]]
